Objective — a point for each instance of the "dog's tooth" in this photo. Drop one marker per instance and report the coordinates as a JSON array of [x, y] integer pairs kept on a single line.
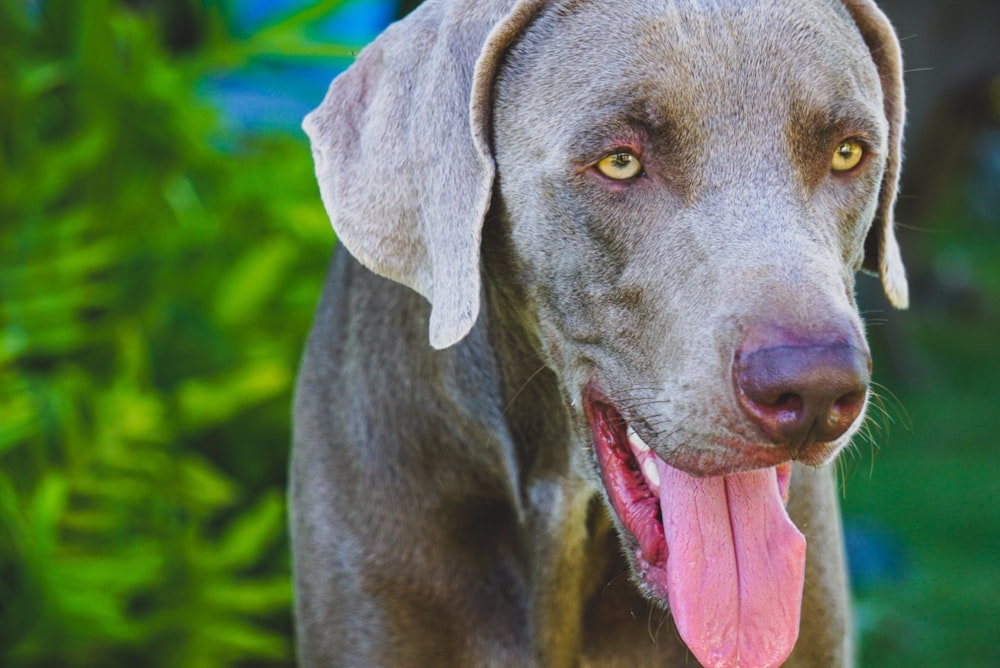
[[637, 443], [652, 473]]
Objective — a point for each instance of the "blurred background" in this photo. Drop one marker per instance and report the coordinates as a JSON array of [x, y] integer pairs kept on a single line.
[[162, 247]]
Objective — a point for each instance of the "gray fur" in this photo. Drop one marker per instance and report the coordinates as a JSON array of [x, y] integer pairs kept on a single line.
[[446, 505]]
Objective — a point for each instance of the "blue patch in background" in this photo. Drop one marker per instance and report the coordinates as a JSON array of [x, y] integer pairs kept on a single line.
[[275, 92]]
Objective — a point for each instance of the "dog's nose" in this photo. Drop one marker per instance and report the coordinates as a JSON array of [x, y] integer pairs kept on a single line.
[[803, 394]]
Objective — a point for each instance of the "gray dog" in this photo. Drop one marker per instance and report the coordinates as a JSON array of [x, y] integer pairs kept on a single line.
[[632, 231]]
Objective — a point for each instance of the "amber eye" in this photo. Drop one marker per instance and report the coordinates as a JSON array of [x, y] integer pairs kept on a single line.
[[620, 166], [847, 156]]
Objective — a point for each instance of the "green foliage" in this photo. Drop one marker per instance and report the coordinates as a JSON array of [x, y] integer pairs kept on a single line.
[[155, 290]]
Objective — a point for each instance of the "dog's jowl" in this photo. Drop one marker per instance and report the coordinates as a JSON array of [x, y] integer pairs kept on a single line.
[[589, 341]]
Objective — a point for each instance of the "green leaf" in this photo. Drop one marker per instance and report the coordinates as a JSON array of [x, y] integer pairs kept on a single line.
[[251, 534], [207, 402]]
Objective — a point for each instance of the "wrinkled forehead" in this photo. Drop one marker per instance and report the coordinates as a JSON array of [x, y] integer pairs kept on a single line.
[[749, 53], [721, 60]]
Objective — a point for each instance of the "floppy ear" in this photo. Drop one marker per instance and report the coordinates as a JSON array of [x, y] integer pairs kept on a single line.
[[882, 256], [402, 152]]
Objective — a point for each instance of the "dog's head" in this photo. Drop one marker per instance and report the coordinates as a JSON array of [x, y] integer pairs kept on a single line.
[[684, 194]]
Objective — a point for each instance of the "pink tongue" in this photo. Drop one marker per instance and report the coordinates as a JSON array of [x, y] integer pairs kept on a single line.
[[735, 568]]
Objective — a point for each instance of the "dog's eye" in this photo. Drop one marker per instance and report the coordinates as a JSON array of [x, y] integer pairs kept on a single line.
[[847, 156], [620, 165]]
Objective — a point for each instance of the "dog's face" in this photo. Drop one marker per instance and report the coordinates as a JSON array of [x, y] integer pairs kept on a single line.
[[682, 190], [665, 221]]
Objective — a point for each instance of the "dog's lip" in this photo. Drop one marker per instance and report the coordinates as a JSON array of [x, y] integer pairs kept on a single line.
[[629, 490], [741, 456], [729, 455]]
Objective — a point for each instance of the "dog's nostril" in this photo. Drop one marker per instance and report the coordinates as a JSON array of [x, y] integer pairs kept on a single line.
[[850, 402], [800, 394], [788, 402], [845, 410]]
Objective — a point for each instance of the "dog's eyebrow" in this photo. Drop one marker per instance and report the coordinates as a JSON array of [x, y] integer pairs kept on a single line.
[[595, 139], [849, 120], [844, 116], [628, 120]]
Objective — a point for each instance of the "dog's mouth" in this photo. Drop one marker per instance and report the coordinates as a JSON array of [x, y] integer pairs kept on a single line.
[[720, 550]]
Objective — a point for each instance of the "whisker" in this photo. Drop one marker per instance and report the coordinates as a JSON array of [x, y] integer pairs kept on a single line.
[[506, 409], [664, 615], [889, 397], [645, 401], [639, 389], [923, 228], [523, 385]]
